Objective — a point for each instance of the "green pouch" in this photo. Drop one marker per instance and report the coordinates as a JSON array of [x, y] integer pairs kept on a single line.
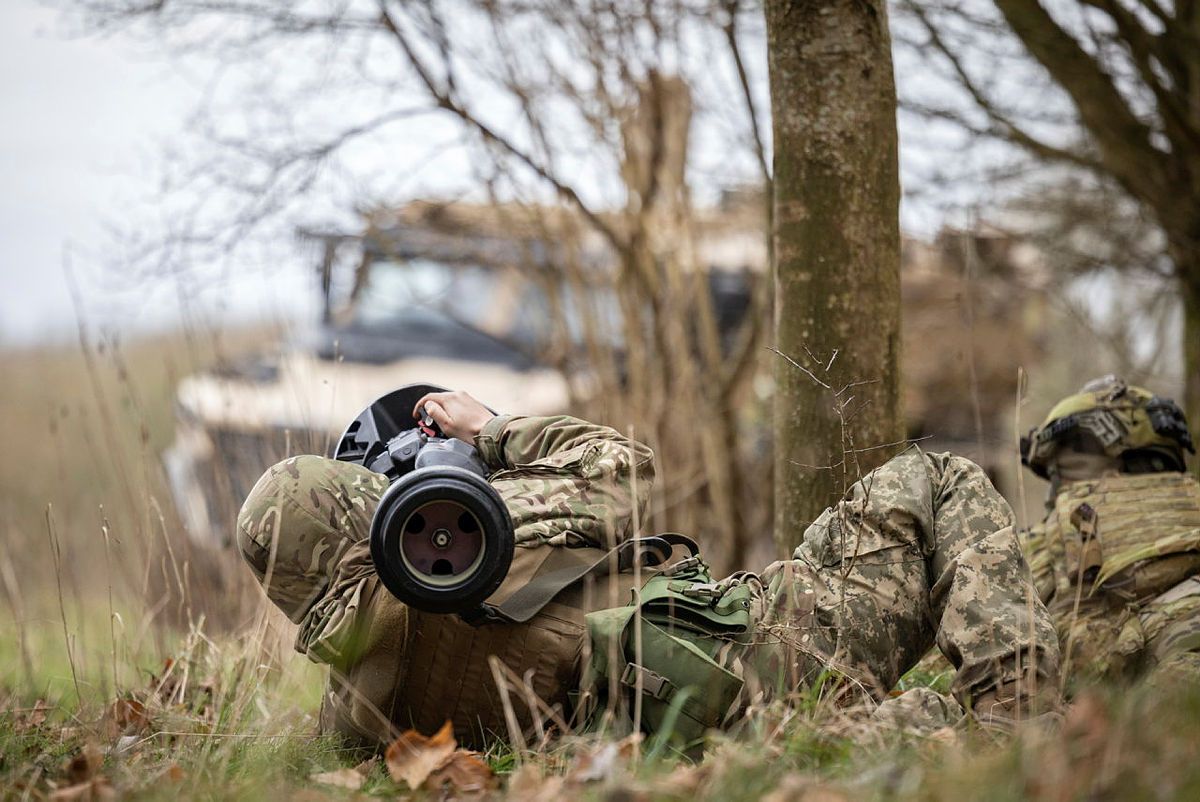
[[683, 623]]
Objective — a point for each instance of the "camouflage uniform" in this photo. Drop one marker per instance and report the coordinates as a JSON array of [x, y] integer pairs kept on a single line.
[[566, 483], [1123, 586], [920, 551]]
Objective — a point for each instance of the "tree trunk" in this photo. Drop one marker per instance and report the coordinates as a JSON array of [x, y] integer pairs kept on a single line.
[[1190, 280], [837, 251]]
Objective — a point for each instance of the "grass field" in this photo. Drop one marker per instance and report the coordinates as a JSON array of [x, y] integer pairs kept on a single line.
[[131, 667]]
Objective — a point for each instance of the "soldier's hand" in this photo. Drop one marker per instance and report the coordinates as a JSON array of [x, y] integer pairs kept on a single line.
[[456, 413]]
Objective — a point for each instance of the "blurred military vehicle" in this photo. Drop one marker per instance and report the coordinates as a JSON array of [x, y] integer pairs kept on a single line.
[[507, 303], [515, 305]]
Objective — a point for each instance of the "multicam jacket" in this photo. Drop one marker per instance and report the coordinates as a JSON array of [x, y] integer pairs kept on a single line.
[[570, 486]]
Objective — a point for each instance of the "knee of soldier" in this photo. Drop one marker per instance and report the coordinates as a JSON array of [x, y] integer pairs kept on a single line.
[[965, 490], [299, 519], [962, 471]]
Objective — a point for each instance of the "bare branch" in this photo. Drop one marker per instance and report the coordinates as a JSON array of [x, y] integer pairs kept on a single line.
[[447, 102], [1124, 141]]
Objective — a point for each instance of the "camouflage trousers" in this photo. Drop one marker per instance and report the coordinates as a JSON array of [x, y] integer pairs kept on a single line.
[[920, 552], [1106, 637]]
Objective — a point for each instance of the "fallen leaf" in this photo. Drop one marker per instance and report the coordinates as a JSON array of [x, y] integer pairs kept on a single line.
[[94, 790], [37, 716], [84, 766], [465, 773], [340, 778], [125, 717], [29, 717], [528, 785], [412, 757], [603, 763], [166, 686]]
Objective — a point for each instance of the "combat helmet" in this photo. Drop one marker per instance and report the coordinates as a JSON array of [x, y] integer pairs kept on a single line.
[[1140, 431]]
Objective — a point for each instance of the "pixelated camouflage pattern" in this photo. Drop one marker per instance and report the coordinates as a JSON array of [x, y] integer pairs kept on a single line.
[[1139, 612], [918, 552], [921, 551], [918, 711], [304, 529]]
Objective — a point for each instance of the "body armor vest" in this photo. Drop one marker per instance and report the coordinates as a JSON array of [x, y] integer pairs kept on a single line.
[[1143, 539]]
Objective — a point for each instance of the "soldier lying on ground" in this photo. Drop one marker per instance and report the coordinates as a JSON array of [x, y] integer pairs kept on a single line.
[[1117, 558], [920, 551]]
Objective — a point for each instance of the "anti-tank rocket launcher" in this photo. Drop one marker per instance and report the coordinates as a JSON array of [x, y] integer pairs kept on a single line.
[[441, 537]]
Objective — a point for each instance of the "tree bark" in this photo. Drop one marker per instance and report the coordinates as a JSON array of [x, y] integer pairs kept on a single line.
[[837, 251], [1191, 350]]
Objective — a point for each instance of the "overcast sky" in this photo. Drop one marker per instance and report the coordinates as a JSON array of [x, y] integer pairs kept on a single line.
[[82, 128], [82, 122]]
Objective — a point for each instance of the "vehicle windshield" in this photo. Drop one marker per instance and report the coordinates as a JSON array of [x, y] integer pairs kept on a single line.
[[394, 290], [499, 302]]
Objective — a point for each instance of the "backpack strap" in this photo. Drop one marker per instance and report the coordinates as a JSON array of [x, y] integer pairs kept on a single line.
[[566, 566]]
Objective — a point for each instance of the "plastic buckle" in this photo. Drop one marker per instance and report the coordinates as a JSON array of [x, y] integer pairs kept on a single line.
[[481, 615], [689, 564], [653, 684], [704, 590]]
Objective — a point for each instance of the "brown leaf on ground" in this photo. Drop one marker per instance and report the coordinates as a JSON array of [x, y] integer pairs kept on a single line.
[[412, 757], [340, 778], [29, 717], [683, 779], [465, 773], [604, 762], [801, 788], [166, 687], [36, 716], [85, 765], [97, 789], [125, 717], [529, 785]]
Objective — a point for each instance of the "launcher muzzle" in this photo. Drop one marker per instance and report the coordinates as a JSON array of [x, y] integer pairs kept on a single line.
[[441, 537]]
